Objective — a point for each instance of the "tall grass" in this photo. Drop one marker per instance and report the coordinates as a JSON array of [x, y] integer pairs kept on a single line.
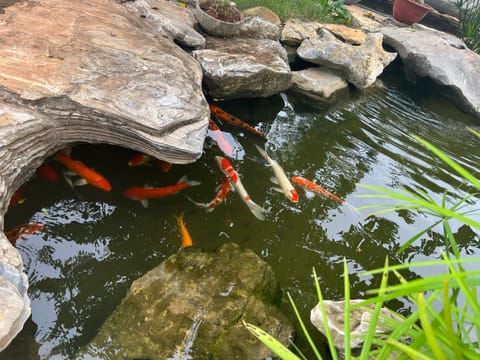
[[469, 17], [319, 10], [446, 322]]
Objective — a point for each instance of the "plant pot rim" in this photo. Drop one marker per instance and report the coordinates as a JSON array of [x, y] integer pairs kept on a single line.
[[217, 27]]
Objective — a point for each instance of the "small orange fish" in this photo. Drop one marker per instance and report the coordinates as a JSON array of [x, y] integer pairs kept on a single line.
[[24, 229], [186, 238], [48, 172], [89, 175], [139, 159], [310, 185], [222, 191], [142, 194], [165, 166], [223, 115]]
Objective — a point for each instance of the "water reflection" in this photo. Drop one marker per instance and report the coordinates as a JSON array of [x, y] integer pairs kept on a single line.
[[95, 244]]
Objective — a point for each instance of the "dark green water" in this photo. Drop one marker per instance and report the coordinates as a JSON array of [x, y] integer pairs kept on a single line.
[[95, 244]]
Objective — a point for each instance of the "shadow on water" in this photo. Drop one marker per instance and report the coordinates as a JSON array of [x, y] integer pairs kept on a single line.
[[94, 244]]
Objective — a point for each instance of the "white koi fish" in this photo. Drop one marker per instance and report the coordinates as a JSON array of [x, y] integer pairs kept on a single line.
[[234, 179], [280, 178]]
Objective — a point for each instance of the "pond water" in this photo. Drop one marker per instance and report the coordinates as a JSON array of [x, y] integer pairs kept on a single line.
[[94, 244]]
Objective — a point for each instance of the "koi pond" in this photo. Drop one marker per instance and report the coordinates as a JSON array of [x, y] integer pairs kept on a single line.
[[94, 243]]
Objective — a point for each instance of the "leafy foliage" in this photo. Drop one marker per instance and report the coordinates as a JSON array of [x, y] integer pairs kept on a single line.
[[469, 17]]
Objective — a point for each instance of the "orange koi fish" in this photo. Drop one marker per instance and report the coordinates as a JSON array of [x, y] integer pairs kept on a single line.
[[48, 172], [165, 166], [144, 159], [139, 159], [222, 191], [310, 185], [186, 238], [88, 175], [222, 115], [24, 229], [234, 179], [142, 194]]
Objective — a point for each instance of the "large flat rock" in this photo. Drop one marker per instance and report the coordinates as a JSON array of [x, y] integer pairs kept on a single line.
[[443, 58], [88, 71]]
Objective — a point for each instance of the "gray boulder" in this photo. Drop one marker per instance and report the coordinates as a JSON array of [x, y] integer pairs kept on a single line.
[[443, 58], [361, 64], [319, 84], [243, 68], [192, 306]]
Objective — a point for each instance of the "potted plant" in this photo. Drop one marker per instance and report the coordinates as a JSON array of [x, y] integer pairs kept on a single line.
[[410, 11], [218, 17]]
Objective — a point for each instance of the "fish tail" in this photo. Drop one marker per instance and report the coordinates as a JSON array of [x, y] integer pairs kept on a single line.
[[189, 182], [197, 204], [256, 210], [263, 152]]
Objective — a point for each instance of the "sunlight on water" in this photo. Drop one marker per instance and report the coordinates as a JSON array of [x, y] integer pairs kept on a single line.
[[94, 244]]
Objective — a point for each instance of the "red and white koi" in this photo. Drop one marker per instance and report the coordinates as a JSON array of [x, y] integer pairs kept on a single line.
[[280, 178], [143, 193], [234, 179], [222, 191], [310, 185]]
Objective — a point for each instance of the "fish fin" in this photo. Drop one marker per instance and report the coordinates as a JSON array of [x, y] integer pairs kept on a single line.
[[277, 189], [144, 203], [274, 180], [194, 183], [69, 173], [80, 182], [256, 210], [209, 209]]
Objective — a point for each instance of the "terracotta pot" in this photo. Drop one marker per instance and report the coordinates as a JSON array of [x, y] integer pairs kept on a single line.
[[410, 12], [216, 27]]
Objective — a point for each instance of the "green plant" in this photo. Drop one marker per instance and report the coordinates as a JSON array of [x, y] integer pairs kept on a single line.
[[469, 18], [446, 322], [319, 10]]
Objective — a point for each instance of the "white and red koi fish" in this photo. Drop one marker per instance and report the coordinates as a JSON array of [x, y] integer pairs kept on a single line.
[[310, 185], [222, 191], [143, 193], [234, 179], [281, 178]]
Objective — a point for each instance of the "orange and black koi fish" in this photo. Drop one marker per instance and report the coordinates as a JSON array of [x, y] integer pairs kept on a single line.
[[90, 176], [310, 185], [222, 115], [144, 193], [222, 191], [24, 229], [186, 238], [48, 172]]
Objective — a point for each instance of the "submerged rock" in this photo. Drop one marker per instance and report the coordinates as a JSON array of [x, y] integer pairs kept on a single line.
[[443, 58], [192, 306]]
